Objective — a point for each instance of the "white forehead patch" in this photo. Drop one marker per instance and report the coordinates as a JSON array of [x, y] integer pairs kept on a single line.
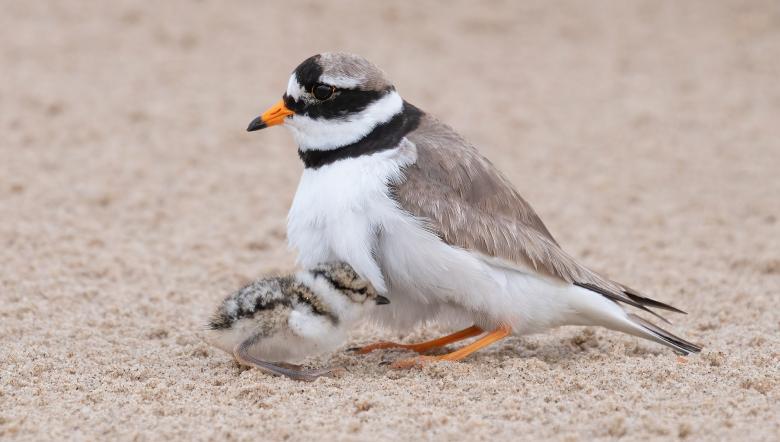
[[294, 89], [340, 81]]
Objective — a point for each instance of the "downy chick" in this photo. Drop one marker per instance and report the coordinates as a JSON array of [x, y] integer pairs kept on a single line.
[[275, 321]]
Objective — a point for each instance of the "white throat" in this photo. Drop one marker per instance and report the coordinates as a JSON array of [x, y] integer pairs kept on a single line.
[[329, 134]]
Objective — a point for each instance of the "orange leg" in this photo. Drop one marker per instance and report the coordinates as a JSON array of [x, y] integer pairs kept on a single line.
[[497, 334], [427, 345]]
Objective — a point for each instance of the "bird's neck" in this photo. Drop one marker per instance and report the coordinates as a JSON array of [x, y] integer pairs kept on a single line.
[[383, 136]]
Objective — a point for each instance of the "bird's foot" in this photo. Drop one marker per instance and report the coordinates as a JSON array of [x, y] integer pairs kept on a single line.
[[385, 345], [422, 346], [497, 334]]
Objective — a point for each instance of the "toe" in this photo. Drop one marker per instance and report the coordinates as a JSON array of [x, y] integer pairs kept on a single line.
[[376, 346]]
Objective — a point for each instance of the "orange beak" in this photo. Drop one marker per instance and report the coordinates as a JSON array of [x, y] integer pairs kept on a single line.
[[273, 116]]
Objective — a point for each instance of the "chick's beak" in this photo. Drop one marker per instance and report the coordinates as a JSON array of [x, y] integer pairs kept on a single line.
[[273, 116], [381, 300]]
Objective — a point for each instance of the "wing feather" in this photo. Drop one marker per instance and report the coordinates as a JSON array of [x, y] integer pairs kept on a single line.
[[468, 203]]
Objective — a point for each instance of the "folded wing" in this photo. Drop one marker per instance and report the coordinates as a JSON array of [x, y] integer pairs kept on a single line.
[[468, 203]]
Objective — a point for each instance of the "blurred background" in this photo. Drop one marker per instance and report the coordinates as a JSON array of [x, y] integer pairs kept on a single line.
[[645, 133]]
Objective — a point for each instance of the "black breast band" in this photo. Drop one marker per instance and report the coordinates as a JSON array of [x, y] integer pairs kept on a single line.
[[385, 136]]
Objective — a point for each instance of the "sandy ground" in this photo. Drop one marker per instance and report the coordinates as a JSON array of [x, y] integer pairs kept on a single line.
[[646, 134]]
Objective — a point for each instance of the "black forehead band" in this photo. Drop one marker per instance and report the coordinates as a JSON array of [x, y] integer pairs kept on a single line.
[[308, 73]]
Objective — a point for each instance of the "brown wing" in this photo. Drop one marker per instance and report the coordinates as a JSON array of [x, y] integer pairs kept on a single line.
[[470, 204]]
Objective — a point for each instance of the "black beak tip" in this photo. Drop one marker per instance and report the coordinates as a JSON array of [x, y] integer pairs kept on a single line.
[[256, 124], [381, 300]]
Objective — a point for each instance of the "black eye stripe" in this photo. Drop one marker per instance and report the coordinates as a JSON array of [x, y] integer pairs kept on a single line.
[[336, 284], [294, 105], [343, 102]]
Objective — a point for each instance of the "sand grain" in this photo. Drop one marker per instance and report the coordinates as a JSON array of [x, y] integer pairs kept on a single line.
[[131, 200]]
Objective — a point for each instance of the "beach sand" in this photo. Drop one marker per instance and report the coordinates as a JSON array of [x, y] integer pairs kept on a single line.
[[646, 135]]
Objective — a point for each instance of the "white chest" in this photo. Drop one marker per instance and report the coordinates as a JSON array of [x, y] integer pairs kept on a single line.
[[343, 212], [339, 208]]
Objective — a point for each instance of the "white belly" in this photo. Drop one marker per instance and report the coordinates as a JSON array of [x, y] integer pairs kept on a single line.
[[342, 212], [429, 279]]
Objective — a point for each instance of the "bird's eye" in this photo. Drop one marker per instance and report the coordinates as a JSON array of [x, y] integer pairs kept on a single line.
[[322, 91]]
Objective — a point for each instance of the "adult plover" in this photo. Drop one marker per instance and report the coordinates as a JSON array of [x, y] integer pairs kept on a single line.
[[420, 213], [274, 321]]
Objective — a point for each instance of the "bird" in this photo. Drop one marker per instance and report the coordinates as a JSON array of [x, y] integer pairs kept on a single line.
[[273, 322], [426, 218]]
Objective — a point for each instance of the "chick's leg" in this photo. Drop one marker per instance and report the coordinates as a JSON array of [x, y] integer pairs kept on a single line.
[[424, 346], [296, 372], [497, 334]]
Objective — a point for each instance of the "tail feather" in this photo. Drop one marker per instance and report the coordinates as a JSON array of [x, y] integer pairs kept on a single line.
[[645, 301], [662, 336], [632, 299], [593, 307]]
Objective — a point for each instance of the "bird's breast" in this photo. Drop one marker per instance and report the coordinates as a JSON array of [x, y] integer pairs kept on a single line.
[[339, 210]]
